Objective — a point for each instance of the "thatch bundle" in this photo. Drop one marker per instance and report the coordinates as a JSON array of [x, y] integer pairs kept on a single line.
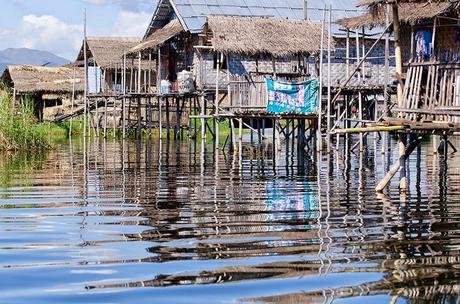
[[266, 36], [35, 79], [108, 52], [170, 30], [375, 2], [408, 13]]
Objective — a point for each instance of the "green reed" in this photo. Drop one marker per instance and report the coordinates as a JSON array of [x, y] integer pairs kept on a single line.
[[19, 130]]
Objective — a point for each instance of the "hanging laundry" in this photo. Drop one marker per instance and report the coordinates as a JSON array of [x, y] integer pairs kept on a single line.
[[423, 40]]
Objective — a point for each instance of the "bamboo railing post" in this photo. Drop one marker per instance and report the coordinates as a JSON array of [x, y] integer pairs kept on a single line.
[[398, 53]]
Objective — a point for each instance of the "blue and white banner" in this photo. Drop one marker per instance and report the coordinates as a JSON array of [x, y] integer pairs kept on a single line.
[[292, 97]]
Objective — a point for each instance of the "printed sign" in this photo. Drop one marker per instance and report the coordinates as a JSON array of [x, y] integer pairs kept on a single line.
[[292, 97]]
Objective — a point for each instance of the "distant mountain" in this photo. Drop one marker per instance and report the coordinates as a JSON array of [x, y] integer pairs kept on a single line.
[[28, 56]]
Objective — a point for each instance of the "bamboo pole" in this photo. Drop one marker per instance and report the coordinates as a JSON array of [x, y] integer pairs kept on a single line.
[[123, 106], [368, 130], [348, 52], [85, 98], [216, 114], [357, 53], [339, 92], [320, 87], [398, 53], [329, 84], [73, 98]]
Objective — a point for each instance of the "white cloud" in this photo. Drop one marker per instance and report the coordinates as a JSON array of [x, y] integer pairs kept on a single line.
[[51, 34], [131, 24]]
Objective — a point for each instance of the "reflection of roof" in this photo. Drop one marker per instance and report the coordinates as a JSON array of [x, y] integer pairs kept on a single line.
[[252, 36], [32, 79], [193, 13]]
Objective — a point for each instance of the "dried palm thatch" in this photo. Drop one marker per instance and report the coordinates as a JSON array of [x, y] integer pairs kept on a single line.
[[375, 2], [170, 30], [38, 79], [107, 52], [267, 36], [408, 13]]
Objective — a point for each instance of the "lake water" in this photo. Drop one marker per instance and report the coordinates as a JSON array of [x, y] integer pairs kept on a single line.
[[140, 222]]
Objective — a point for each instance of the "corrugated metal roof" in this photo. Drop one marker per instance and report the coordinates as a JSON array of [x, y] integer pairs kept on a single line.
[[193, 13]]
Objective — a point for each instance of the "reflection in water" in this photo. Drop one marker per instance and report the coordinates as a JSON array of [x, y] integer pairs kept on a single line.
[[105, 220]]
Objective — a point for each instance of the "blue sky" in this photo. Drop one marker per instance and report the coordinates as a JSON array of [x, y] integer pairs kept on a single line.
[[57, 25]]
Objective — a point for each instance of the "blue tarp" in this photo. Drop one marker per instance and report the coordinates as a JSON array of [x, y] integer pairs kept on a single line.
[[292, 97]]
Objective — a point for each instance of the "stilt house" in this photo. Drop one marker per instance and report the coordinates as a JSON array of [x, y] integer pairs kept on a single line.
[[427, 46], [106, 63], [54, 90]]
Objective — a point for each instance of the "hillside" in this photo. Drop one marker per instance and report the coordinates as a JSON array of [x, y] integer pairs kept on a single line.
[[28, 56]]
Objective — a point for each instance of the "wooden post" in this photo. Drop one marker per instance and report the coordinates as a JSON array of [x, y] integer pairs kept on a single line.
[[105, 117], [216, 101], [329, 84], [398, 53], [363, 69], [114, 113], [386, 93], [361, 135], [85, 97], [396, 167], [123, 106], [139, 74], [320, 89], [73, 98], [203, 119], [178, 118], [139, 120], [402, 167], [348, 52], [358, 54], [168, 122], [433, 42]]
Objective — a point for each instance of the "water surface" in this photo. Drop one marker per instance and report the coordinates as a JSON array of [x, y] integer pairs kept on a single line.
[[144, 222]]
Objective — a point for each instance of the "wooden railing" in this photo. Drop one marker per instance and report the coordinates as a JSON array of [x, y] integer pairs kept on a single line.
[[431, 92], [247, 93]]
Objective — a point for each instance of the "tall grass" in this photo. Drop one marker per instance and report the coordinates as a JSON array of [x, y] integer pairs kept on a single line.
[[19, 130]]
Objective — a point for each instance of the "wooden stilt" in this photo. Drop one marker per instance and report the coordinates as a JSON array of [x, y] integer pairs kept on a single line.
[[105, 117], [178, 118], [168, 121], [397, 165], [402, 166]]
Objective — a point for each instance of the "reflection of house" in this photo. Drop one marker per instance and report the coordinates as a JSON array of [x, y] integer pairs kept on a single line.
[[106, 63], [49, 87]]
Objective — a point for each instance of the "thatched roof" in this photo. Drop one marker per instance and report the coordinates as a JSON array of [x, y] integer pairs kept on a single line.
[[107, 52], [252, 36], [375, 2], [408, 13], [38, 79], [161, 35]]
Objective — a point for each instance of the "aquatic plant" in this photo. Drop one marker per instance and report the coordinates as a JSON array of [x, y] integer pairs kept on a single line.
[[19, 130]]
